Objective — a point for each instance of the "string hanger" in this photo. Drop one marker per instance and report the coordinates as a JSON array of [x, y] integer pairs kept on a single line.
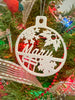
[[1, 3], [42, 7]]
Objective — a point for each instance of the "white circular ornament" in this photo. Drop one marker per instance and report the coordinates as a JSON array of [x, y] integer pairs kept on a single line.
[[43, 46]]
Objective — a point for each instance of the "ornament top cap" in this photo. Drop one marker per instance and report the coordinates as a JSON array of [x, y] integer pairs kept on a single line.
[[41, 21]]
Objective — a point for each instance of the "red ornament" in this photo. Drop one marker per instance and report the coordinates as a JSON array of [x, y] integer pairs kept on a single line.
[[67, 48], [62, 57], [42, 94], [47, 89], [52, 83], [50, 86], [13, 5], [36, 43], [21, 46], [39, 97], [2, 87], [54, 80], [66, 31], [35, 98], [73, 26], [63, 54], [0, 83], [60, 63], [69, 29], [74, 59], [7, 83], [56, 73], [55, 77], [45, 92], [6, 94]]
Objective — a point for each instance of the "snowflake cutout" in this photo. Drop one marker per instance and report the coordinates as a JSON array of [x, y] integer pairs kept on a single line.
[[30, 35], [44, 66]]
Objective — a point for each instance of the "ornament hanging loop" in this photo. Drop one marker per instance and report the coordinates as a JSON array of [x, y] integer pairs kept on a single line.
[[41, 21]]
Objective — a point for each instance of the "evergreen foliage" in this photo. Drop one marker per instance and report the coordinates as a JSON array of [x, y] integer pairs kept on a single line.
[[18, 91]]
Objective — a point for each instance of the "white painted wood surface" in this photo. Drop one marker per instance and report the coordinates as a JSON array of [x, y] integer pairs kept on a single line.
[[42, 59]]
